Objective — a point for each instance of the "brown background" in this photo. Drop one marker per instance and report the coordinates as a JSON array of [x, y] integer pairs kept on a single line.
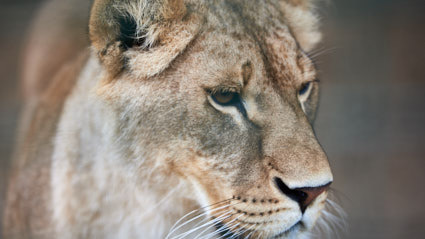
[[371, 120]]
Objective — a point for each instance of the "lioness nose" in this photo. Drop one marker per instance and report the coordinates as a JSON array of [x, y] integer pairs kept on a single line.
[[304, 196]]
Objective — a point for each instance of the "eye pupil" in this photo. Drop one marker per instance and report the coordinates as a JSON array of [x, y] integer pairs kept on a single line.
[[304, 88]]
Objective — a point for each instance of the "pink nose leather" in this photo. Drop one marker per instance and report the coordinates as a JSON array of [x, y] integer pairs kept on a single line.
[[304, 196], [311, 194]]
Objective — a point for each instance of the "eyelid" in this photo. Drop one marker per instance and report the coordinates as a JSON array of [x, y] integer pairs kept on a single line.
[[223, 89], [311, 81]]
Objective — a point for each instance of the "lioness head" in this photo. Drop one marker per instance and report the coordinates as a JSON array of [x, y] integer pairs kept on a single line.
[[221, 95]]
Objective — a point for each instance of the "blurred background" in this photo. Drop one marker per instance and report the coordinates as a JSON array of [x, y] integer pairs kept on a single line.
[[371, 119]]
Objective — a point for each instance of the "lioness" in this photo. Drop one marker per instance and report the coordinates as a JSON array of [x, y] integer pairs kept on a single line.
[[183, 119]]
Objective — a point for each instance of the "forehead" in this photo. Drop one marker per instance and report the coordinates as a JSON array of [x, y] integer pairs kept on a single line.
[[234, 35]]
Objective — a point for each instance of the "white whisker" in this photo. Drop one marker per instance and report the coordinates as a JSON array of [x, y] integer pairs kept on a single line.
[[205, 224], [245, 230], [226, 227], [221, 229], [215, 220], [313, 55], [230, 229], [240, 231], [332, 222], [260, 235], [174, 228], [249, 235], [236, 233]]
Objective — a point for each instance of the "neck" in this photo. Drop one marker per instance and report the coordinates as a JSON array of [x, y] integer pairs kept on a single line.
[[100, 188]]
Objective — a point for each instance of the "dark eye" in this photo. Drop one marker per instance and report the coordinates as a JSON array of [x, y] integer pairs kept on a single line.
[[304, 88], [225, 98]]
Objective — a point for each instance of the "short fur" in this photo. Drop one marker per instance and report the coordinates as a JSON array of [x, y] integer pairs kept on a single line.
[[125, 138]]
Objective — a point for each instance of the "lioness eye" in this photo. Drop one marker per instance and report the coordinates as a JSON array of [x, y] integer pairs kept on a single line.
[[225, 98], [304, 88]]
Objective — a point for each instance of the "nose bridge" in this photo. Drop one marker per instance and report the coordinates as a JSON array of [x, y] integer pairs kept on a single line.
[[292, 150]]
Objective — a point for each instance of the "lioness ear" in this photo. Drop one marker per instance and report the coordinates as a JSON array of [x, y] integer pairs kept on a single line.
[[303, 21], [118, 26]]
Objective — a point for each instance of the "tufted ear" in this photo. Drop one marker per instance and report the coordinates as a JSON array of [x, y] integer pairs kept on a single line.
[[303, 21], [120, 26]]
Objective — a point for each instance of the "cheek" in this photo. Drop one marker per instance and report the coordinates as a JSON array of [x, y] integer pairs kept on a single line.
[[151, 115], [217, 134], [229, 151]]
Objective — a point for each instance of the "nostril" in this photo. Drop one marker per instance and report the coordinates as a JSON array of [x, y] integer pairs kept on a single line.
[[303, 196], [296, 195]]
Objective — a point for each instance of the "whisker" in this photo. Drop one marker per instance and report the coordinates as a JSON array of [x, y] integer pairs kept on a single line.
[[247, 229], [240, 231], [216, 221], [194, 211], [230, 229], [226, 227], [332, 222], [189, 221], [203, 225], [260, 235], [222, 228], [174, 227], [313, 55], [236, 233], [340, 215], [249, 235], [210, 212]]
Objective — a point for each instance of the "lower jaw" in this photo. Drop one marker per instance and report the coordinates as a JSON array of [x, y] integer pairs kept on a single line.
[[227, 234], [294, 228]]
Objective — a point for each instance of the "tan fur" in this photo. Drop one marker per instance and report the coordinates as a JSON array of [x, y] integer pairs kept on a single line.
[[28, 196], [126, 139]]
